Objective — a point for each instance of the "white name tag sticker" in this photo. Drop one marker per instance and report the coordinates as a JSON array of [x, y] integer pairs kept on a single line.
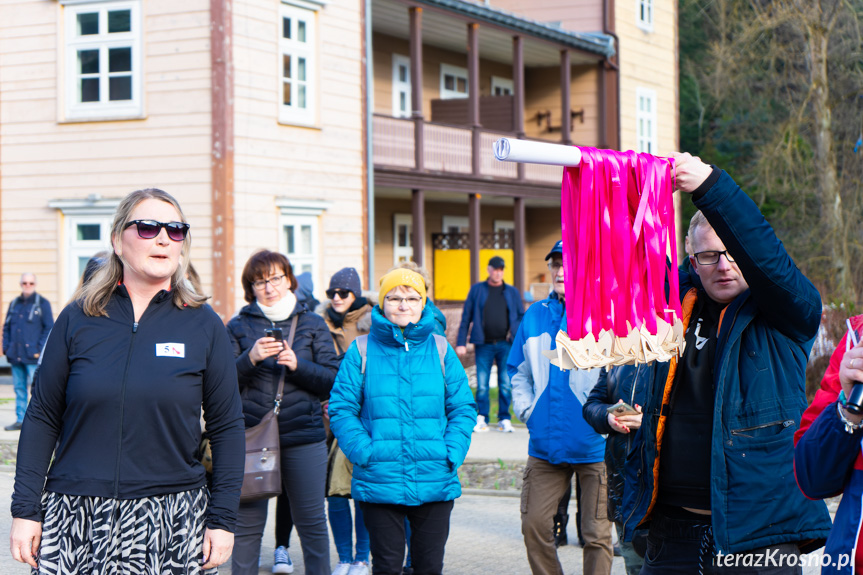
[[170, 350]]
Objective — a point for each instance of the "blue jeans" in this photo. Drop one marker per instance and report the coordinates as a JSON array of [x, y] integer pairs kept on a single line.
[[22, 376], [343, 527], [486, 355]]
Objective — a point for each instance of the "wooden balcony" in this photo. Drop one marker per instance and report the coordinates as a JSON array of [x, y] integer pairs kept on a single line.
[[448, 150]]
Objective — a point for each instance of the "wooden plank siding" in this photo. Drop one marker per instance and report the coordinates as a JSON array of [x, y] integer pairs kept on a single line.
[[45, 158], [274, 160], [579, 15]]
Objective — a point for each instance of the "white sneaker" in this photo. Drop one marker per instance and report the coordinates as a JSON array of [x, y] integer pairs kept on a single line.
[[504, 426], [359, 568], [342, 569], [282, 561], [481, 425]]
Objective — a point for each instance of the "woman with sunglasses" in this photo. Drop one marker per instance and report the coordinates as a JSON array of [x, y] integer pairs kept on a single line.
[[309, 365], [403, 414], [348, 315], [127, 369]]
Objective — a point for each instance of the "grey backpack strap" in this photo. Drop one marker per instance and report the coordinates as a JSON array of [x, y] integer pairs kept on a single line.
[[362, 345], [441, 343]]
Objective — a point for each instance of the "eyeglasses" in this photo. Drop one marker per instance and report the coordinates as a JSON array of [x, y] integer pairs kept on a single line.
[[28, 283], [711, 258], [274, 281], [412, 301], [149, 229], [555, 266], [342, 293]]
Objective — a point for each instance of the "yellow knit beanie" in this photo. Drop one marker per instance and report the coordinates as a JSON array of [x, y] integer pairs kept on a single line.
[[402, 277]]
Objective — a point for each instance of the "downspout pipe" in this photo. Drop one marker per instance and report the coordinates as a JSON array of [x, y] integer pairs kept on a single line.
[[608, 29], [370, 162]]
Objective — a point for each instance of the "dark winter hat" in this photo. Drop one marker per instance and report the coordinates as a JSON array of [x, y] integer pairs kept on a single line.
[[497, 263], [557, 249], [346, 278]]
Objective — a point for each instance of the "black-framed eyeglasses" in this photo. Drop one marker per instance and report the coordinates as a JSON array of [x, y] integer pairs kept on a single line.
[[342, 293], [274, 281], [149, 229], [711, 257]]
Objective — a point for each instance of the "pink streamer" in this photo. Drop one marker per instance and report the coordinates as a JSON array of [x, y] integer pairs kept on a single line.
[[617, 219]]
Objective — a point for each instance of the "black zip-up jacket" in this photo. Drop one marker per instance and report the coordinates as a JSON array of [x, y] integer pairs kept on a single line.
[[124, 400], [300, 419]]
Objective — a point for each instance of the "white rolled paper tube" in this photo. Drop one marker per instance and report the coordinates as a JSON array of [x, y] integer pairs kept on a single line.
[[533, 152]]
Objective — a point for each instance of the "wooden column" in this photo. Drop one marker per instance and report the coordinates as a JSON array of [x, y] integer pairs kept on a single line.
[[473, 217], [519, 264], [222, 157], [418, 218], [473, 93], [518, 94], [416, 44], [565, 106]]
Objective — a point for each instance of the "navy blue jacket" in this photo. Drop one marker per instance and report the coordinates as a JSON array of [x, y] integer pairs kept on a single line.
[[300, 419], [613, 385], [474, 306], [122, 402], [25, 331], [765, 336]]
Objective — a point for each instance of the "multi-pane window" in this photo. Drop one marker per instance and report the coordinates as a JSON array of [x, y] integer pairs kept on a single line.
[[401, 86], [297, 50], [501, 86], [86, 236], [453, 82], [103, 60], [403, 250], [644, 14], [645, 119], [299, 242]]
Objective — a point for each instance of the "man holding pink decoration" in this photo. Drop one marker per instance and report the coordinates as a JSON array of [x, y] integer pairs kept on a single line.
[[711, 468]]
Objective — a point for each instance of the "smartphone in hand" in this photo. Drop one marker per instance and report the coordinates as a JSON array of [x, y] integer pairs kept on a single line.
[[619, 409], [275, 333]]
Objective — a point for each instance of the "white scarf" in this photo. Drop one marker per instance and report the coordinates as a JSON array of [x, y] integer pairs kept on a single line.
[[283, 308]]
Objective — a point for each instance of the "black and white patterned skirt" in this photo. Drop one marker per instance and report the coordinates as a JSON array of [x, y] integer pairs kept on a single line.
[[161, 535]]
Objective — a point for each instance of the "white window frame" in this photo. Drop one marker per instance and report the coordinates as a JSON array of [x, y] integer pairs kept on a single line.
[[506, 86], [297, 50], [301, 213], [645, 120], [457, 72], [90, 210], [644, 14], [104, 109], [401, 88], [403, 253]]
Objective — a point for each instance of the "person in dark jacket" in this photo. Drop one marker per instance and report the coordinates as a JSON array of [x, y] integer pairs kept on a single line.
[[619, 384], [25, 331], [711, 468], [310, 367], [494, 309], [403, 416], [127, 369]]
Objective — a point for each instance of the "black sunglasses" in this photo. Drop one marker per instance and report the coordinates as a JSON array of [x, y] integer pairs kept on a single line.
[[149, 229], [342, 293]]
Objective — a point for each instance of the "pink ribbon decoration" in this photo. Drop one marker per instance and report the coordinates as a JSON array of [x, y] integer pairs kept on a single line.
[[617, 220]]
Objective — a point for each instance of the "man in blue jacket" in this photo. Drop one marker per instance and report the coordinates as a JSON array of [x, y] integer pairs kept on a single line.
[[710, 472], [550, 401], [495, 310], [28, 323]]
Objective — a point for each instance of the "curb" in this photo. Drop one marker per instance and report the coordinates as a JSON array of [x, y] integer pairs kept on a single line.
[[491, 492]]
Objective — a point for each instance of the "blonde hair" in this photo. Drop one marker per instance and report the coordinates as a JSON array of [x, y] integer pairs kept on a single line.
[[697, 222], [93, 297]]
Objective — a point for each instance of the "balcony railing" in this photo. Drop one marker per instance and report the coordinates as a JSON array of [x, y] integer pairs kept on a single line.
[[447, 149]]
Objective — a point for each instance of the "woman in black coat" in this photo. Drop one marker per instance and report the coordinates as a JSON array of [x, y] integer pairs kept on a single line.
[[310, 368]]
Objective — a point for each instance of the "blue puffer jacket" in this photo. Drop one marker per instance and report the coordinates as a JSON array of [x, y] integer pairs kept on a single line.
[[765, 335], [404, 428], [546, 398]]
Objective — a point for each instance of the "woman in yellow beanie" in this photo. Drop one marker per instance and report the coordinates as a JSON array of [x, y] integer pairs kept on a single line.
[[403, 414]]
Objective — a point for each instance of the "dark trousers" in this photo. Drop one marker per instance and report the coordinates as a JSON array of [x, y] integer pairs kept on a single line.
[[685, 547], [429, 526], [304, 475]]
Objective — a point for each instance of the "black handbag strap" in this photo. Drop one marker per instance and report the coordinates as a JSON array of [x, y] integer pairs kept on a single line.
[[281, 388]]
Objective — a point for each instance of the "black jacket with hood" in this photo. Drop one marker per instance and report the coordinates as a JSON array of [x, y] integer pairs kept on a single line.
[[300, 418], [122, 402]]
